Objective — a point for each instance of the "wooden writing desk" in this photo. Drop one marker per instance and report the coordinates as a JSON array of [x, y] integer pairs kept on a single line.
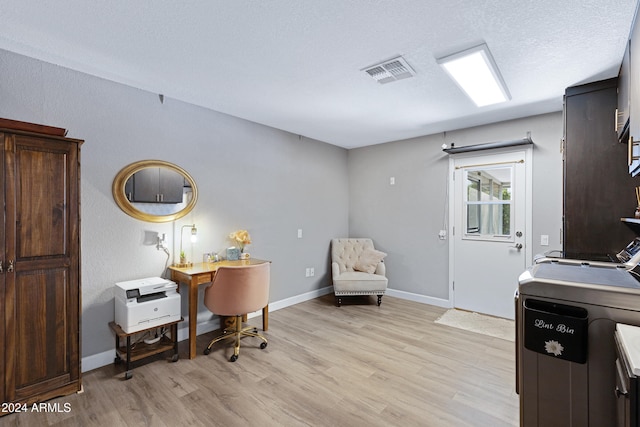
[[196, 275]]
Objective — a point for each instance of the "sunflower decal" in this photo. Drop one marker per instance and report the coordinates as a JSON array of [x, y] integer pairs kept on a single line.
[[553, 347]]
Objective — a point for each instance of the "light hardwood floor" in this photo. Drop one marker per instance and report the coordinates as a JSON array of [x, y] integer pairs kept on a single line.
[[355, 365]]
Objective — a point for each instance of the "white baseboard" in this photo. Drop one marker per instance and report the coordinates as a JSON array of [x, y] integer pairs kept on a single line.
[[438, 302], [299, 298], [99, 360], [95, 361]]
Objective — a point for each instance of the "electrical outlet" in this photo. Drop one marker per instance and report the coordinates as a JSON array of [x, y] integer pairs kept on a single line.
[[544, 240], [392, 180], [312, 271], [299, 233]]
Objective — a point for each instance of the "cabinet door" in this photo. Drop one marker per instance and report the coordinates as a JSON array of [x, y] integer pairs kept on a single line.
[[157, 185], [42, 243], [594, 203], [634, 101], [171, 186], [622, 398], [145, 186], [622, 113]]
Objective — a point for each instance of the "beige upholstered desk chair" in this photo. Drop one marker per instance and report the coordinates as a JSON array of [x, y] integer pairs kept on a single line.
[[357, 269], [235, 291]]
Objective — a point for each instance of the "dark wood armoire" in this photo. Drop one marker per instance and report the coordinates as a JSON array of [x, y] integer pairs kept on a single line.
[[39, 263], [598, 189]]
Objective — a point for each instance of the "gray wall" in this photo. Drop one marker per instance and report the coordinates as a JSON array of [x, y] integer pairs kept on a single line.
[[249, 176], [404, 219], [259, 178]]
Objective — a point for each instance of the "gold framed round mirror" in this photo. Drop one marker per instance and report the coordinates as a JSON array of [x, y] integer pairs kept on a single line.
[[154, 191]]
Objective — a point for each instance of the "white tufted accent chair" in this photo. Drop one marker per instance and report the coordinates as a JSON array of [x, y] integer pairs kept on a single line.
[[347, 281]]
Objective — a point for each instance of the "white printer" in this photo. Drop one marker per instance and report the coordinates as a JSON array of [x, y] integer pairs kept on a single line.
[[145, 303]]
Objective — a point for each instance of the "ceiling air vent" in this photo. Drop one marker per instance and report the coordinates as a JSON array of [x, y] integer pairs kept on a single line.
[[390, 71]]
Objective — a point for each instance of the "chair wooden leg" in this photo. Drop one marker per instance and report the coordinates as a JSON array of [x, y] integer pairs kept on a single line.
[[379, 300]]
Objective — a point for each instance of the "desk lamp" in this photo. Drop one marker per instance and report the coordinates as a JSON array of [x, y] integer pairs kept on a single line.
[[194, 237]]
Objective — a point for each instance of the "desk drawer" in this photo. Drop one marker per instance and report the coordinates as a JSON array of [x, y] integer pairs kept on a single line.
[[204, 278]]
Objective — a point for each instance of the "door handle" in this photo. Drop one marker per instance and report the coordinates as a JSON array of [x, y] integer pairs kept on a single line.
[[10, 267], [631, 153], [518, 246]]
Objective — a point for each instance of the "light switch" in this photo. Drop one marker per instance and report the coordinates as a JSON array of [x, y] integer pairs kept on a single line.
[[392, 180], [544, 240], [299, 233]]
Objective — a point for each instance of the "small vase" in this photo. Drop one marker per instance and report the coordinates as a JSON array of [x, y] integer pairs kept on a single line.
[[243, 254], [637, 214]]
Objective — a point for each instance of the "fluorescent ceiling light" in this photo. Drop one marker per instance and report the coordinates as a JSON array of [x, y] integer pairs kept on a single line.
[[475, 71]]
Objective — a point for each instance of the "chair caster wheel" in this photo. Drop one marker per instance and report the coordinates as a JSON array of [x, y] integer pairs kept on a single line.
[[207, 351], [263, 345], [128, 375], [233, 358]]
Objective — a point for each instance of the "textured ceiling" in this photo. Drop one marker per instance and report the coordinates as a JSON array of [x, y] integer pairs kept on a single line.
[[295, 65]]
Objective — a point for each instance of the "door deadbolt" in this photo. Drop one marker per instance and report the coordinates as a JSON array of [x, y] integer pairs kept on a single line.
[[519, 233]]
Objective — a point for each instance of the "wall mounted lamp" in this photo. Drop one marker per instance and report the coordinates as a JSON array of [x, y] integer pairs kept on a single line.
[[477, 74]]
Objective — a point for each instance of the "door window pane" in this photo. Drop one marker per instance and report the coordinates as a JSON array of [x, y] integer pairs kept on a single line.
[[488, 202]]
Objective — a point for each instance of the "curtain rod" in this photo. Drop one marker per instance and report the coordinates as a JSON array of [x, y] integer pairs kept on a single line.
[[489, 145]]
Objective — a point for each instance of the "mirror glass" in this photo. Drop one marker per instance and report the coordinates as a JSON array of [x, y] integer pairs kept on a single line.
[[154, 191]]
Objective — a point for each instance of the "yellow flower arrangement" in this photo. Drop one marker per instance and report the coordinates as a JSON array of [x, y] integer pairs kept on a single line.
[[241, 238]]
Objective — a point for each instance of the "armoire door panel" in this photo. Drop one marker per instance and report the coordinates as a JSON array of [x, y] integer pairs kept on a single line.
[[42, 200], [41, 343]]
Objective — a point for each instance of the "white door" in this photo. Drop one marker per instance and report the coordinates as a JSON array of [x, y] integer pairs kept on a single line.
[[490, 233]]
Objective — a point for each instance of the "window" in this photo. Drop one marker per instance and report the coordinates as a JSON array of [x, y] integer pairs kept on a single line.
[[488, 201]]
